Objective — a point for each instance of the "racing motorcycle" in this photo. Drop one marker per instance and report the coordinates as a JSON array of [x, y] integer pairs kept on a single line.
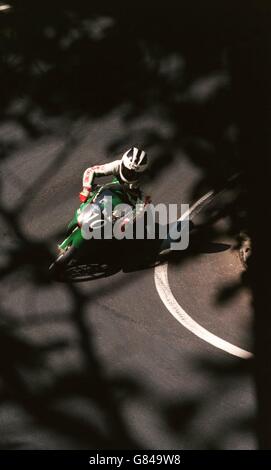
[[83, 254], [89, 219]]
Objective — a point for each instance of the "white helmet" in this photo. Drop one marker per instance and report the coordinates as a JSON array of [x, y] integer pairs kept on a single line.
[[133, 161]]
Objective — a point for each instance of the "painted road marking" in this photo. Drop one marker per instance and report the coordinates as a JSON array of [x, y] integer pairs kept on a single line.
[[168, 299]]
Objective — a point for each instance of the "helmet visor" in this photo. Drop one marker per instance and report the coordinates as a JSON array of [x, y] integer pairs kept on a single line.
[[129, 175]]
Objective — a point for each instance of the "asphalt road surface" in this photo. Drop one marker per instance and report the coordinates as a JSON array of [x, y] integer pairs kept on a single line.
[[104, 363]]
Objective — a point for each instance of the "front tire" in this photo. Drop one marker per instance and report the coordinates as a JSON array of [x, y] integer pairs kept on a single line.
[[63, 260]]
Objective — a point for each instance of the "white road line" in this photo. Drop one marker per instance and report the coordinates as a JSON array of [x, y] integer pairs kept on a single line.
[[168, 299], [196, 204]]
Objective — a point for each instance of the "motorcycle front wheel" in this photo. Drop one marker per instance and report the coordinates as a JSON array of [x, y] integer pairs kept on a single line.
[[63, 260]]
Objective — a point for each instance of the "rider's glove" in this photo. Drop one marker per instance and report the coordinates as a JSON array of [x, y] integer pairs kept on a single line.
[[84, 194]]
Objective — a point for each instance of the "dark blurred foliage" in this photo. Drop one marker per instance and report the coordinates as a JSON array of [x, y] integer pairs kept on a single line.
[[251, 71], [91, 57]]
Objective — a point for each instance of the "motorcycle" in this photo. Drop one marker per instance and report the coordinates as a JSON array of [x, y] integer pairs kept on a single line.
[[90, 217]]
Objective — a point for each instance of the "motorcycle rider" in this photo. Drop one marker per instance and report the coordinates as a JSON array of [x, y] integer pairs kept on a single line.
[[127, 170]]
